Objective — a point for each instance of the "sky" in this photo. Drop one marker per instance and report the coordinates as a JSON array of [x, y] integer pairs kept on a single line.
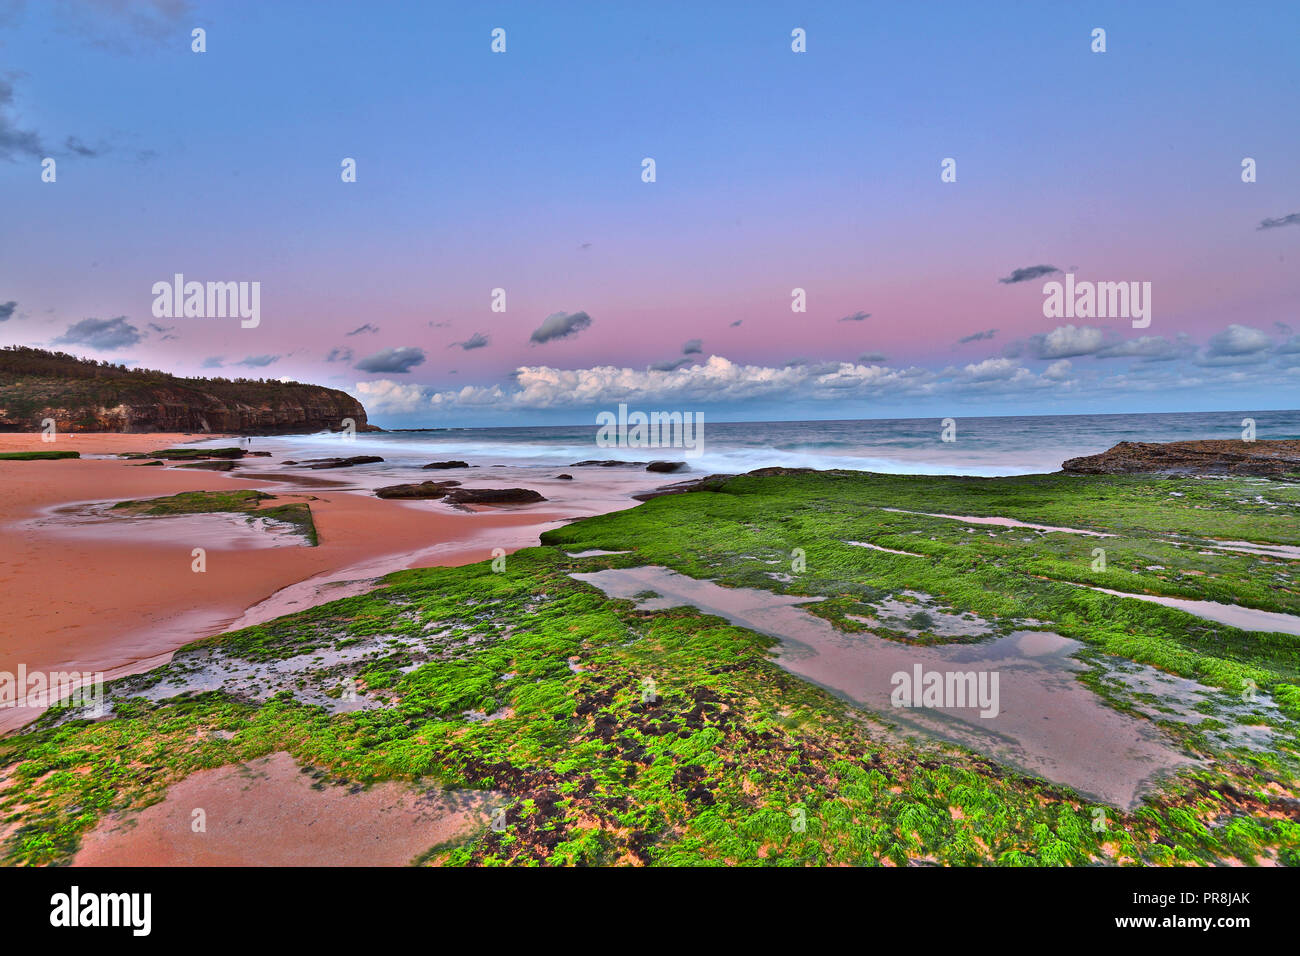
[[774, 170]]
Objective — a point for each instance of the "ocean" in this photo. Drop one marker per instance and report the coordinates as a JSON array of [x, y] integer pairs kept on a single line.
[[986, 447]]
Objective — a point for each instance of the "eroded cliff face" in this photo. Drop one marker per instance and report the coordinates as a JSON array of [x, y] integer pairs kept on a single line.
[[297, 408], [83, 396]]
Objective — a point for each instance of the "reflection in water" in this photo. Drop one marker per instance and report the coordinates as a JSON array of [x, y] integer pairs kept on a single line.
[[1288, 551], [1047, 723]]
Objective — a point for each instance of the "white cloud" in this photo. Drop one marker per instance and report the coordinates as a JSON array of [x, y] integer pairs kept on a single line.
[[384, 396], [1058, 371], [1237, 345], [990, 369], [720, 381], [1067, 341], [870, 380], [717, 381], [1238, 340], [1150, 348], [470, 396]]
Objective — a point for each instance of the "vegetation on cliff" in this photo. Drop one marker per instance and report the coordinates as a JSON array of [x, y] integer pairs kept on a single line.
[[83, 395]]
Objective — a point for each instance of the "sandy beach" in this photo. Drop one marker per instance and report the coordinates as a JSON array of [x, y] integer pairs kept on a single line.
[[122, 603]]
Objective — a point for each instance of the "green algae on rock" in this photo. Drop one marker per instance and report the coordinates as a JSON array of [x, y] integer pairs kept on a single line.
[[37, 455], [668, 736], [297, 514]]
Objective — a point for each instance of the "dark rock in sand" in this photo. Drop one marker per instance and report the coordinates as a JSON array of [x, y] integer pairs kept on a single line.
[[605, 463], [191, 454], [343, 462], [666, 466], [493, 496], [304, 481], [423, 489], [1265, 458], [258, 454], [209, 465], [446, 464], [707, 483], [146, 464], [565, 477]]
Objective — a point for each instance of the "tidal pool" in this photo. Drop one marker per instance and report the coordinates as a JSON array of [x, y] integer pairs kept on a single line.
[[1001, 522], [1290, 552], [1046, 723], [1245, 618], [876, 547], [219, 530]]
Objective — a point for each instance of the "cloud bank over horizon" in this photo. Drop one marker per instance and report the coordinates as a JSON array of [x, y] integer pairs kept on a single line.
[[1143, 364]]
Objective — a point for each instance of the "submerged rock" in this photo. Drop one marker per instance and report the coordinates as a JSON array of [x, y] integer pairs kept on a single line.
[[666, 466], [1267, 458], [493, 496], [707, 483], [565, 477], [342, 462], [209, 465], [446, 464], [605, 463], [190, 454], [422, 489]]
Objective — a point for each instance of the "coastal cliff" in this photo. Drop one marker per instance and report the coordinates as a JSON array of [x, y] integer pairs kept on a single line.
[[86, 396]]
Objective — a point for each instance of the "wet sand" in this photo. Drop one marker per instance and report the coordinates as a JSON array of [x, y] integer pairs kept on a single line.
[[271, 812], [122, 603]]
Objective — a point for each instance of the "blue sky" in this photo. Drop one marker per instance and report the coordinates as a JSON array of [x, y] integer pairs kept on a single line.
[[775, 170]]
